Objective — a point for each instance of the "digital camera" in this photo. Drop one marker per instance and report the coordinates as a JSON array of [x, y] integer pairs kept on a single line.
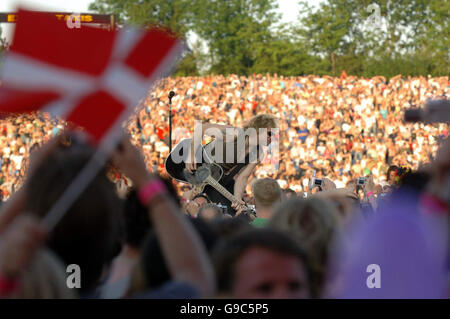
[[361, 181], [318, 182]]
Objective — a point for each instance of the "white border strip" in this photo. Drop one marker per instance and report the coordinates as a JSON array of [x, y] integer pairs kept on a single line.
[[24, 72], [109, 141]]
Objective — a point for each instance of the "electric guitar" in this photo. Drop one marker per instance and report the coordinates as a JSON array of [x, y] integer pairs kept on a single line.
[[207, 173]]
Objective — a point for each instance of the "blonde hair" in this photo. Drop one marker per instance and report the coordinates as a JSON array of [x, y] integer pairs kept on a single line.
[[45, 279], [312, 223], [345, 201], [262, 121], [266, 192]]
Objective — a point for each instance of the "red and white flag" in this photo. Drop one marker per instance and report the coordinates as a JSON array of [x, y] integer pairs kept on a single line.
[[91, 77]]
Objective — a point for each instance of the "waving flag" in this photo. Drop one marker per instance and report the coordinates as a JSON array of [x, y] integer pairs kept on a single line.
[[93, 78]]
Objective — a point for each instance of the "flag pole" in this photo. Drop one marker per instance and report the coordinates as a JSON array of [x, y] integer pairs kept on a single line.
[[87, 173], [76, 187], [171, 95]]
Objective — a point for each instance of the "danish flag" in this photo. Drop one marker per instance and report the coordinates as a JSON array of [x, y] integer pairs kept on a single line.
[[91, 77]]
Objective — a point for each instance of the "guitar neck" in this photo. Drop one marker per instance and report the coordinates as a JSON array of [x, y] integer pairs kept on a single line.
[[211, 181]]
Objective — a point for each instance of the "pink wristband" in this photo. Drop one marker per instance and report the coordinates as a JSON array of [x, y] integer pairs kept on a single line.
[[7, 285], [150, 190], [369, 194]]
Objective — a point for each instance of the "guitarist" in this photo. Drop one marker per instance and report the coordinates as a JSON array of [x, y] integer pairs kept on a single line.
[[238, 169]]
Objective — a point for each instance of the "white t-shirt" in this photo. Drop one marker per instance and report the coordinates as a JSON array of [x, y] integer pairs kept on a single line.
[[17, 159], [301, 119], [345, 127], [161, 147], [305, 182], [206, 109], [339, 184], [282, 183]]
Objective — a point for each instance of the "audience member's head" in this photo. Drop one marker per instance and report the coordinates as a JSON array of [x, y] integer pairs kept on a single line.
[[201, 199], [391, 174], [262, 263], [267, 193], [289, 193], [345, 201], [312, 223], [88, 234], [210, 211], [45, 278], [152, 272], [262, 121], [228, 227]]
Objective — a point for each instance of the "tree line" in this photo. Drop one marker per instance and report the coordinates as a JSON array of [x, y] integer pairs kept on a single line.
[[364, 37]]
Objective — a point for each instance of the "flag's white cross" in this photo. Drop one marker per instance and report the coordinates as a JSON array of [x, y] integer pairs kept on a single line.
[[120, 81]]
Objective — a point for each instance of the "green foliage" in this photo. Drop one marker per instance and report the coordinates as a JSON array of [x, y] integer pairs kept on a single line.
[[187, 66], [177, 15], [236, 32], [412, 37], [173, 14], [329, 32], [2, 43], [246, 36]]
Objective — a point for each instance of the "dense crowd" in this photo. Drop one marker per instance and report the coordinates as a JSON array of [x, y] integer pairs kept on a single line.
[[329, 244], [342, 128], [19, 135], [133, 236]]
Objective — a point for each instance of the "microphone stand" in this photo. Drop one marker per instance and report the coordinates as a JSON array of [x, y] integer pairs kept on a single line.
[[171, 95]]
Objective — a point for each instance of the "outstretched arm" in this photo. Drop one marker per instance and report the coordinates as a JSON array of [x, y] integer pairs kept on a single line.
[[369, 189], [241, 183], [184, 253], [209, 129], [21, 234]]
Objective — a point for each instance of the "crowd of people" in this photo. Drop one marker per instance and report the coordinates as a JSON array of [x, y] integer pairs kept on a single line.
[[18, 136], [349, 201], [333, 129], [148, 245], [159, 239], [341, 128]]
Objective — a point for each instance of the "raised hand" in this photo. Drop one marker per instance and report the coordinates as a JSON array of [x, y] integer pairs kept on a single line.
[[191, 165], [369, 186], [19, 243], [129, 160], [239, 207]]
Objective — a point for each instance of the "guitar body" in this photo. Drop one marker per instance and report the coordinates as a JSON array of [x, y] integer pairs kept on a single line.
[[176, 168]]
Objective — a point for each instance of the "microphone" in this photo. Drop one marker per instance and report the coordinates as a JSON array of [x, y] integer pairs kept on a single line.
[[171, 95]]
